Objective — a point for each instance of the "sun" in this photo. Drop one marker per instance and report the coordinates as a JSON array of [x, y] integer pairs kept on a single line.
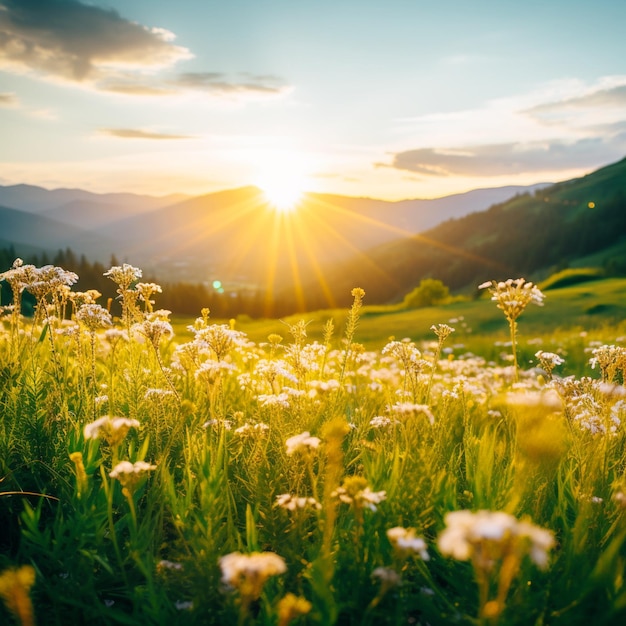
[[283, 193], [282, 182]]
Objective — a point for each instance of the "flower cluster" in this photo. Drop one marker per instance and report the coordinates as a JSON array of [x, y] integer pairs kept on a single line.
[[130, 474], [301, 443], [247, 573], [488, 536], [293, 503], [356, 492], [111, 429], [548, 361], [513, 296], [93, 317], [124, 275], [405, 542]]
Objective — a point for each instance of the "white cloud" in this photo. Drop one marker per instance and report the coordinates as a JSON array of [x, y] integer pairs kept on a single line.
[[562, 126]]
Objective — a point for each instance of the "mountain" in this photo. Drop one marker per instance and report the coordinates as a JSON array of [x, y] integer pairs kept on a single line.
[[417, 215], [237, 236], [82, 208], [234, 235], [530, 234], [33, 234]]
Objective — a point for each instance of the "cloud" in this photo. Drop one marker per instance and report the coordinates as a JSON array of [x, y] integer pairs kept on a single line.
[[134, 133], [82, 44], [136, 87], [562, 126], [8, 100], [509, 158], [599, 98], [72, 41], [219, 84]]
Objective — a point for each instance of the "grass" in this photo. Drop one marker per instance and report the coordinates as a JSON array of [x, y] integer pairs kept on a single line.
[[320, 477], [591, 307]]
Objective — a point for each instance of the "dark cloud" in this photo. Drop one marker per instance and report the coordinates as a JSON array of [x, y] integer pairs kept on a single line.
[[509, 158], [613, 97], [83, 43], [8, 100], [219, 84], [135, 133], [78, 42]]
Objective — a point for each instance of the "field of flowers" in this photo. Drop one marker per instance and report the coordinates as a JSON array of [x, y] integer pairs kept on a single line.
[[148, 480]]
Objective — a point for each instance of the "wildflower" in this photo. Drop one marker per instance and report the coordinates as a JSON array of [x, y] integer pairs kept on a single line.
[[322, 386], [130, 474], [211, 370], [380, 421], [247, 573], [355, 491], [115, 335], [15, 584], [80, 298], [548, 361], [145, 291], [112, 429], [158, 394], [46, 279], [217, 338], [301, 443], [609, 359], [101, 400], [81, 474], [487, 535], [216, 423], [442, 331], [164, 564], [292, 503], [291, 607], [619, 497], [250, 429], [280, 399], [155, 327], [387, 577], [512, 297], [409, 408], [405, 542], [93, 317], [124, 275], [274, 339]]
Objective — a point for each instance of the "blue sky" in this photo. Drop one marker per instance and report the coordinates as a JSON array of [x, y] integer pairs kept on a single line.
[[390, 99]]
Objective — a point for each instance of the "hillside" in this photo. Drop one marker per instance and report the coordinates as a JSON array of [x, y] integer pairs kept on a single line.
[[31, 234], [527, 235]]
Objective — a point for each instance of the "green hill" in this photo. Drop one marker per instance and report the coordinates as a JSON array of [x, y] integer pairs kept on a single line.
[[529, 235]]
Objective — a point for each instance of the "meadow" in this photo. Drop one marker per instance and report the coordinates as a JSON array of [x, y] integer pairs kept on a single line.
[[461, 464]]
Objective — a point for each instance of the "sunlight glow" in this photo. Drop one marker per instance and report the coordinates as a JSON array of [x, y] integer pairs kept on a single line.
[[281, 178], [282, 192]]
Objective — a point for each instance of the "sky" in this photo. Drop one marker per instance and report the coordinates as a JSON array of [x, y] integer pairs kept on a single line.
[[389, 99]]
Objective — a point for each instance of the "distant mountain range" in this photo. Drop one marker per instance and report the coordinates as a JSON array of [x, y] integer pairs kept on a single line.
[[233, 235]]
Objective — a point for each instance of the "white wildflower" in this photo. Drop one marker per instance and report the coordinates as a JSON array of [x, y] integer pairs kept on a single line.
[[301, 443]]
